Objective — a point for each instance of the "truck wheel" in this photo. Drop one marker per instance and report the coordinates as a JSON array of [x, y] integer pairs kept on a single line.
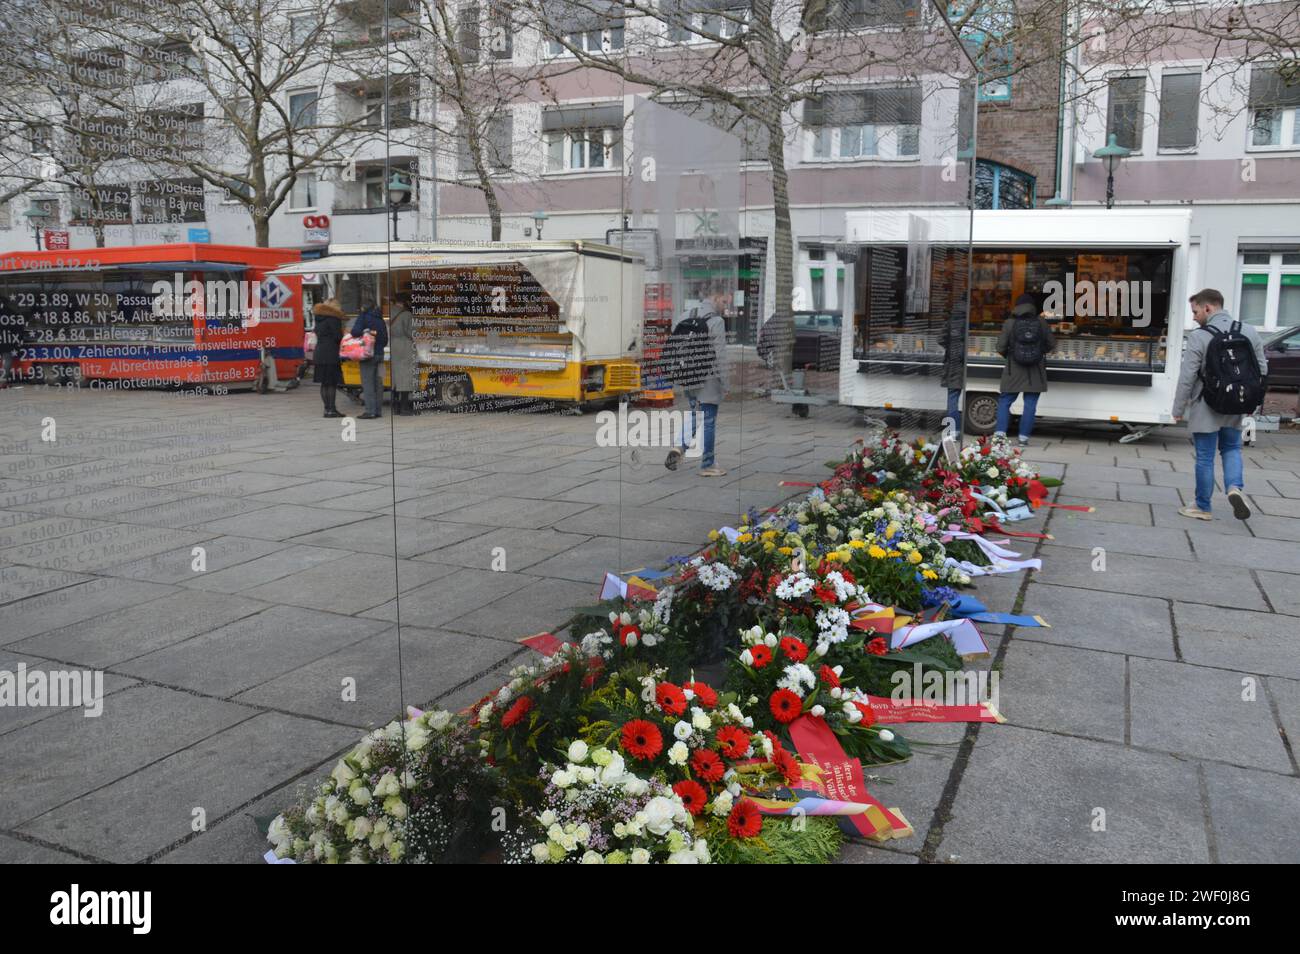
[[981, 413], [455, 391], [800, 410]]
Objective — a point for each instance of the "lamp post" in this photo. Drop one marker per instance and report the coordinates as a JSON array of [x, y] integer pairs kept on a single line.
[[539, 219], [398, 192], [36, 216], [1112, 152]]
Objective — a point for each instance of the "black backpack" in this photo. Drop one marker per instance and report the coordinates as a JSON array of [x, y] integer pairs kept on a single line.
[[689, 359], [1027, 341], [1231, 381]]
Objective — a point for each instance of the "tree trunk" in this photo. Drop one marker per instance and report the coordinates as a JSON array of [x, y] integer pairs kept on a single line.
[[261, 230], [494, 212], [782, 251]]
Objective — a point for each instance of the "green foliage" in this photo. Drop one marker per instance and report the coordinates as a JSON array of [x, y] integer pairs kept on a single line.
[[781, 843]]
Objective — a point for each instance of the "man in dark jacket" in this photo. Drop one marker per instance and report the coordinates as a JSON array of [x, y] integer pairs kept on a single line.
[[953, 377], [1025, 342], [372, 369]]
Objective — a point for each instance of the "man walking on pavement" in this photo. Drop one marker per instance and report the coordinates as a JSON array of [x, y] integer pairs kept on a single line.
[[1217, 363], [698, 345]]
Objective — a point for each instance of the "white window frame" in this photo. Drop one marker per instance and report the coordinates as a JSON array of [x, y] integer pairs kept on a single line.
[[314, 195], [556, 51], [729, 26], [886, 135], [1143, 112], [1288, 134], [610, 135], [1273, 297], [315, 106], [298, 16]]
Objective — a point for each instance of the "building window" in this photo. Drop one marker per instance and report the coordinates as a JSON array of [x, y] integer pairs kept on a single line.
[[751, 132], [398, 99], [1002, 187], [304, 191], [1180, 101], [583, 138], [114, 203], [1274, 109], [1124, 111], [302, 28], [882, 123], [592, 26], [860, 14], [302, 109], [497, 143], [705, 20], [1269, 287]]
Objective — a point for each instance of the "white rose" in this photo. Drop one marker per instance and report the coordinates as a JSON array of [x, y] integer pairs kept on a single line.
[[682, 730], [541, 854], [578, 751], [659, 813], [683, 857], [593, 858], [640, 856], [700, 720], [886, 735], [817, 711], [562, 779]]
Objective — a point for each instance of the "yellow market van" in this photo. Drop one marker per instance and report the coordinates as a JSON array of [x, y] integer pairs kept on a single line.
[[557, 321]]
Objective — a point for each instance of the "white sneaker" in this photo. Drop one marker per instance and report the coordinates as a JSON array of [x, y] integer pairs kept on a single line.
[[1023, 441], [713, 472], [1196, 513], [1240, 509]]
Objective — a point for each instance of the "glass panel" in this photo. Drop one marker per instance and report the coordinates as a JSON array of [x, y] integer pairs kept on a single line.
[[1254, 299]]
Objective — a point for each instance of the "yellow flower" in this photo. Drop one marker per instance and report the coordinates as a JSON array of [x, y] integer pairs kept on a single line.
[[895, 553], [858, 544], [768, 546], [785, 551], [875, 552], [914, 556], [769, 535], [891, 529], [929, 574], [744, 537], [713, 534]]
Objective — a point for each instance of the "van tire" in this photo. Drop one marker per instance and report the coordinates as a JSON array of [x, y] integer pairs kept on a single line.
[[981, 414], [455, 390]]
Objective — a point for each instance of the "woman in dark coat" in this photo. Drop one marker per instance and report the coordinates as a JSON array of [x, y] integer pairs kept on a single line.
[[329, 370], [1018, 377]]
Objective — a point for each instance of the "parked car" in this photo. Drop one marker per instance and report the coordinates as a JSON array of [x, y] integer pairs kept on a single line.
[[1282, 349], [817, 340]]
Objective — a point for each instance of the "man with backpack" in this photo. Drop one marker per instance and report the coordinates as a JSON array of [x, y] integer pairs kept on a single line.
[[1025, 342], [696, 361], [1223, 378]]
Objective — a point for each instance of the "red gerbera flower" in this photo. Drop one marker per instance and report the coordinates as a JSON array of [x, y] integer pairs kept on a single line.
[[825, 593], [787, 765], [796, 650], [707, 765], [734, 741], [827, 675], [692, 794], [848, 577], [670, 698], [785, 705], [515, 714], [642, 740], [868, 715], [878, 646], [704, 693], [761, 655], [744, 820]]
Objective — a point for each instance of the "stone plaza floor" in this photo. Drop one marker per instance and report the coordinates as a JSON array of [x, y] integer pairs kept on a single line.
[[233, 564]]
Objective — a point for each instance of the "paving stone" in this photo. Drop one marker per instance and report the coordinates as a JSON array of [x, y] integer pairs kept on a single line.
[[1253, 814], [1207, 532], [503, 618], [454, 595], [1030, 682], [1128, 573], [1283, 590], [283, 560], [1152, 804], [518, 549], [14, 717], [217, 774], [20, 582], [1198, 712], [348, 586], [376, 535], [14, 851], [1141, 493], [1083, 531], [646, 523], [861, 853], [250, 651], [66, 756], [73, 604], [1265, 643], [282, 521], [1116, 623], [590, 562], [1112, 511], [432, 664]]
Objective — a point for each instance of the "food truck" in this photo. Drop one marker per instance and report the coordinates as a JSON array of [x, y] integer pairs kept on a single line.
[[156, 315], [558, 321], [1112, 284]]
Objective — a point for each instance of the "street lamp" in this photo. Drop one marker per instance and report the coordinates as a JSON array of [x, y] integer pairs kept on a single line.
[[398, 193], [539, 219], [1112, 152], [36, 217]]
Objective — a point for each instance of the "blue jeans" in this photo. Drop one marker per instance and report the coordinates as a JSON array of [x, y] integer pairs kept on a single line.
[[1026, 418], [954, 404], [710, 415], [1227, 440], [372, 386]]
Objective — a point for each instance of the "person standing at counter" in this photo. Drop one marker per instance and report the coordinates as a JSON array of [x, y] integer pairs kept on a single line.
[[372, 369], [953, 341], [1026, 341], [327, 369], [401, 355]]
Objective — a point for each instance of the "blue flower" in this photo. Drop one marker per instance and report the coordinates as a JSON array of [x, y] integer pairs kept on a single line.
[[938, 596]]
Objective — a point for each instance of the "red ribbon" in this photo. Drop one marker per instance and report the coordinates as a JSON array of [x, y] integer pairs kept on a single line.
[[842, 778], [920, 710]]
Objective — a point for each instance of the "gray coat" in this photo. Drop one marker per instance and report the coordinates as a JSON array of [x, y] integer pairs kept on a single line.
[[712, 389], [401, 351], [1020, 378], [1201, 419]]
